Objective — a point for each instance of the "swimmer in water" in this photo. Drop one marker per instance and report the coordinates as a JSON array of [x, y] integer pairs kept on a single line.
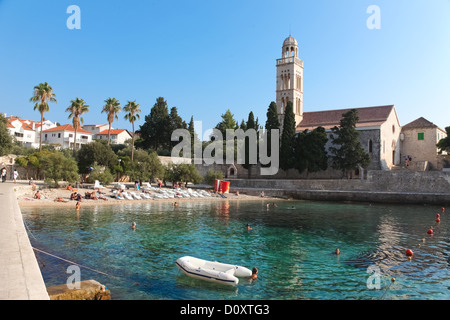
[[337, 251], [77, 206], [248, 227], [254, 275], [133, 225]]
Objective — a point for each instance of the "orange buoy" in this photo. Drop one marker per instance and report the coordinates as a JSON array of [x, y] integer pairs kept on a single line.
[[409, 252], [430, 231]]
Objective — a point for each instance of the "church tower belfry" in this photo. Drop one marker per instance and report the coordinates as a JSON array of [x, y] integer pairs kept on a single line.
[[290, 80]]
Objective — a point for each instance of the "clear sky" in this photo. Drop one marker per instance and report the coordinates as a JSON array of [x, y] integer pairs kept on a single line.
[[205, 57]]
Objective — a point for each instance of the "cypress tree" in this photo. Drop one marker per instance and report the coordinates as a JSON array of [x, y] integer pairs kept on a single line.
[[272, 122], [288, 138]]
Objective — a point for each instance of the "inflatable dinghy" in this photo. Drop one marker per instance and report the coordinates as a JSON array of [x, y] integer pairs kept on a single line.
[[212, 270]]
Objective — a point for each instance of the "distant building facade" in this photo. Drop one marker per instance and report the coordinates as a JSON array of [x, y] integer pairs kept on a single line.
[[27, 131], [380, 132], [64, 136], [118, 136], [419, 139]]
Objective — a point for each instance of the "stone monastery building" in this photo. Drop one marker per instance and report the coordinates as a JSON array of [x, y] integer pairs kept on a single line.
[[381, 135]]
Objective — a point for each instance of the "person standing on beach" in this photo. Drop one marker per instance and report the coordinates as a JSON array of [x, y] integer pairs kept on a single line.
[[3, 174], [15, 175]]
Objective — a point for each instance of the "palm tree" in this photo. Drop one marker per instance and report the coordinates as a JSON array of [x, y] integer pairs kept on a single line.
[[42, 95], [112, 108], [76, 109], [133, 113]]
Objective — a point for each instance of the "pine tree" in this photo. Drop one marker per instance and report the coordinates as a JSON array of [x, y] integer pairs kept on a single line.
[[288, 138], [154, 131], [348, 153]]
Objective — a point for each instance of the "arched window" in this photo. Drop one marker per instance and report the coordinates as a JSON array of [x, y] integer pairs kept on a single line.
[[370, 146]]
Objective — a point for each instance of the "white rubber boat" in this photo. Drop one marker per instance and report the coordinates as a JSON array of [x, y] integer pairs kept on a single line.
[[212, 270]]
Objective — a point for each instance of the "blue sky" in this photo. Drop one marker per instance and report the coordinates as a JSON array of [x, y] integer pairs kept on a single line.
[[205, 57]]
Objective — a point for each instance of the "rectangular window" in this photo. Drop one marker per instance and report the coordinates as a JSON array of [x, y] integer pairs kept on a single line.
[[420, 136]]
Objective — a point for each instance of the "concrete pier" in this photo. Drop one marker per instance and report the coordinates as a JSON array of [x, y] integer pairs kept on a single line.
[[20, 276]]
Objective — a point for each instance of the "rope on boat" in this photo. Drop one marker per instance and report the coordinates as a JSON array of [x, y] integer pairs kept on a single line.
[[52, 255]]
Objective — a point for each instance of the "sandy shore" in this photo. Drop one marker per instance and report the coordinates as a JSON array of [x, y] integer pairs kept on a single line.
[[25, 197]]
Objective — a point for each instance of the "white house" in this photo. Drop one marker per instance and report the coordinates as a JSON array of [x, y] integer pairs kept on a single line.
[[27, 131], [118, 136], [95, 128], [64, 136]]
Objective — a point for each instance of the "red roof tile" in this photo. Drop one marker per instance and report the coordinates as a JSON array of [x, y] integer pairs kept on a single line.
[[67, 127], [368, 117], [113, 131]]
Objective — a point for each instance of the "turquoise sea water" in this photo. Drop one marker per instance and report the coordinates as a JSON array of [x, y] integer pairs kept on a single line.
[[292, 248]]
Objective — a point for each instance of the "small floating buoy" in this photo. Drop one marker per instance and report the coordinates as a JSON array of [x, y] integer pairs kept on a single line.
[[409, 252], [437, 215], [430, 231], [393, 279], [443, 209], [423, 239], [438, 220]]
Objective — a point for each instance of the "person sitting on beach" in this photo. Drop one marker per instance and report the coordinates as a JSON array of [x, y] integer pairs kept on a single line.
[[73, 196], [59, 199], [37, 195], [262, 194], [78, 198], [69, 187]]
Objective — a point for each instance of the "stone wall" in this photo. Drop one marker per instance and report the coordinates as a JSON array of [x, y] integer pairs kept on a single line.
[[380, 186], [377, 180]]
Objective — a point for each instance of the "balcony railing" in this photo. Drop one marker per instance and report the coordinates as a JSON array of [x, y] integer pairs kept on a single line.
[[290, 60]]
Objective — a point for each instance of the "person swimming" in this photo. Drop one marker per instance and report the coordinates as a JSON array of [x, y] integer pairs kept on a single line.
[[254, 275], [133, 225], [249, 228], [337, 251]]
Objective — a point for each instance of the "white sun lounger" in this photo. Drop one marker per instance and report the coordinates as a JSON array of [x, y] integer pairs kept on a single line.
[[127, 196], [145, 195], [135, 196]]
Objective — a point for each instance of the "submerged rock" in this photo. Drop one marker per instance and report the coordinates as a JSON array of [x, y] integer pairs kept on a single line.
[[84, 290]]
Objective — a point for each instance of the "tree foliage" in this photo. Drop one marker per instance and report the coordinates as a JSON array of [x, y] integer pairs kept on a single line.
[[42, 95], [347, 152], [310, 152], [288, 138], [6, 143], [154, 131], [444, 143], [97, 152]]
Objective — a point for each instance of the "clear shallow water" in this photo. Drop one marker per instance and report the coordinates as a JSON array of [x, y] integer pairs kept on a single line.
[[292, 248]]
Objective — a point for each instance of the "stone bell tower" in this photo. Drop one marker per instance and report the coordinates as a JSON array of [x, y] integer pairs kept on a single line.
[[290, 80]]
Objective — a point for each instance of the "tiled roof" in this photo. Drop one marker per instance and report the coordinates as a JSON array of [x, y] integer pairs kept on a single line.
[[67, 127], [368, 117], [420, 123], [113, 131]]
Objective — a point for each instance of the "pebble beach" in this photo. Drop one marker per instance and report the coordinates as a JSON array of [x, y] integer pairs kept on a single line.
[[53, 197]]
